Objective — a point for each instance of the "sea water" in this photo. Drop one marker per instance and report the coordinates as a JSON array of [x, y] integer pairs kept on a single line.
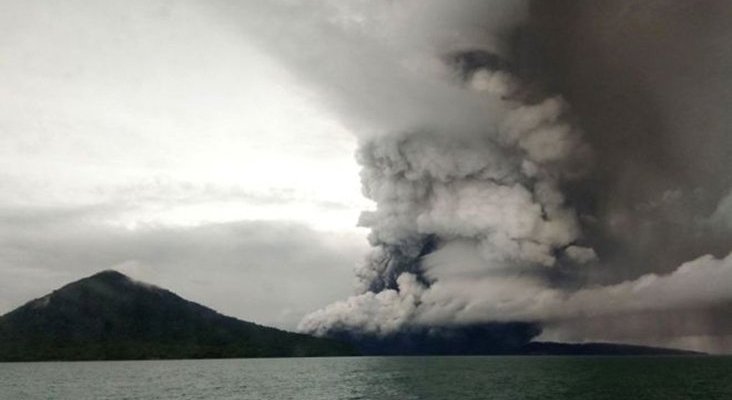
[[382, 378]]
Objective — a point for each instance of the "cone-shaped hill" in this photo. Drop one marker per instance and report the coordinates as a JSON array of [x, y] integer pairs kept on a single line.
[[109, 316]]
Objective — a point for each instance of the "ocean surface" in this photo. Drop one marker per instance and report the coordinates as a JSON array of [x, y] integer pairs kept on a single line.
[[382, 378]]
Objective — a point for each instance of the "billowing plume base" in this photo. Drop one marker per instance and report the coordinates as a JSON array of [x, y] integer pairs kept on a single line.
[[459, 205]]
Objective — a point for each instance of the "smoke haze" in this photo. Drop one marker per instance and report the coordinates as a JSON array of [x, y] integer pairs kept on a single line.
[[560, 163]]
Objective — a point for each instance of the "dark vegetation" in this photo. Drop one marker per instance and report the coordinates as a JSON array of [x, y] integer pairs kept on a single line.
[[108, 316]]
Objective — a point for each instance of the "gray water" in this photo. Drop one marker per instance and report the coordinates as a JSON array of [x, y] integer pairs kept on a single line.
[[383, 378]]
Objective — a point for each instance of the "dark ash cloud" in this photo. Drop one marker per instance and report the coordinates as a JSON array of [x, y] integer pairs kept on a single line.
[[542, 161], [650, 82]]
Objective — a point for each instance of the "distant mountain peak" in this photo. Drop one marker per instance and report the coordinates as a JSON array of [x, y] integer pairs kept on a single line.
[[107, 285], [110, 277], [109, 315], [109, 274]]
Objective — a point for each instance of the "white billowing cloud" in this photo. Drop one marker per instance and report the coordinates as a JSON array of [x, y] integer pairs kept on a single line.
[[704, 281], [506, 218], [464, 294], [375, 313]]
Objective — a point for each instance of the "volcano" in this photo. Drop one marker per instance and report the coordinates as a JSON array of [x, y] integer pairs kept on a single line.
[[109, 316]]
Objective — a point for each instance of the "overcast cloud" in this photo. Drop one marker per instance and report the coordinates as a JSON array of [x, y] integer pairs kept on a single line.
[[270, 272], [148, 137], [514, 172]]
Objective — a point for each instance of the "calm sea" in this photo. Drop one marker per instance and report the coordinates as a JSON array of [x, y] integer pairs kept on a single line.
[[382, 378]]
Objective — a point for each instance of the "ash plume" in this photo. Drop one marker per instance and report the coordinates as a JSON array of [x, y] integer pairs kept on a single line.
[[522, 176], [455, 204]]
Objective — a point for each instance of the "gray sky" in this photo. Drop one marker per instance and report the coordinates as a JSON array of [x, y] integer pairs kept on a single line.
[[208, 147], [149, 137]]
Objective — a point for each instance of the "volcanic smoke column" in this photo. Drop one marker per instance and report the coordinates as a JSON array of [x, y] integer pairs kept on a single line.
[[487, 205], [457, 207]]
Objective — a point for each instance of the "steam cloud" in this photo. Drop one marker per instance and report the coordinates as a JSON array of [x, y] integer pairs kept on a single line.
[[442, 196], [487, 190]]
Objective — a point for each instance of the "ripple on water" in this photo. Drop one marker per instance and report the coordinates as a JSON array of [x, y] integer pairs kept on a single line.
[[382, 378]]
